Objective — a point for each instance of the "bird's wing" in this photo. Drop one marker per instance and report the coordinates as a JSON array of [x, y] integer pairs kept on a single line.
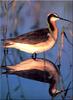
[[33, 37]]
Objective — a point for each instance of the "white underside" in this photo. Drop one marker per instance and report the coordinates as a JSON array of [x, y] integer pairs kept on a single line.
[[36, 48]]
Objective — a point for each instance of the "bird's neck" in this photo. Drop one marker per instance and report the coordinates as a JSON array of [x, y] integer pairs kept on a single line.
[[53, 29]]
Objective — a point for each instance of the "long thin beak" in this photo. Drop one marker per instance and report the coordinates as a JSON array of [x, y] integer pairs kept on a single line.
[[65, 20], [63, 91]]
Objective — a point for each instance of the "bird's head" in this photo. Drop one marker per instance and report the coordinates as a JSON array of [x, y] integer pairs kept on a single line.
[[53, 92], [55, 17], [52, 17]]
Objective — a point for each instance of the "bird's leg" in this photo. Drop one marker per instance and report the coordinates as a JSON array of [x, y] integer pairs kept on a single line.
[[34, 56]]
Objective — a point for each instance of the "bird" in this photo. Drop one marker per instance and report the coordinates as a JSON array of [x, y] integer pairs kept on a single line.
[[39, 40], [36, 70]]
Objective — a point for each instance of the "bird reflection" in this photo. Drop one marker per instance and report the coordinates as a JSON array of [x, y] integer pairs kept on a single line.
[[37, 70]]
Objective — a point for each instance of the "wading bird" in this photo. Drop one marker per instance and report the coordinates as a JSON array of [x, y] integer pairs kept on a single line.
[[36, 70], [39, 40]]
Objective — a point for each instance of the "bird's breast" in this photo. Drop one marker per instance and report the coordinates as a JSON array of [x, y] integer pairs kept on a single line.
[[36, 48]]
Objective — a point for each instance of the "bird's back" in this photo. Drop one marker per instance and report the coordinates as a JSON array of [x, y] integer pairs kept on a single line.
[[34, 37]]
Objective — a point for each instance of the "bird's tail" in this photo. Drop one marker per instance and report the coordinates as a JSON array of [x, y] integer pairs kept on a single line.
[[8, 43], [8, 70]]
